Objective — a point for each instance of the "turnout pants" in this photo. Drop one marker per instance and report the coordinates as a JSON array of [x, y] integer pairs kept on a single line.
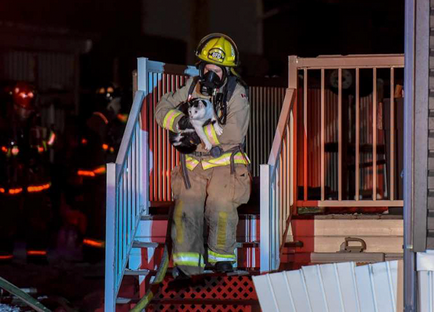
[[214, 196]]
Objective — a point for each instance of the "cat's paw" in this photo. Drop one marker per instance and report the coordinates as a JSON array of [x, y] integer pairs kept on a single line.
[[218, 129]]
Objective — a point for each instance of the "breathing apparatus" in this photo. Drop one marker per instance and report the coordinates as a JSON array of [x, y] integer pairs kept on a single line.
[[220, 50]]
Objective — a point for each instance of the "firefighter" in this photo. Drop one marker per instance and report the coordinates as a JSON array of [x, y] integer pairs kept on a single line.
[[25, 180], [209, 185], [98, 145]]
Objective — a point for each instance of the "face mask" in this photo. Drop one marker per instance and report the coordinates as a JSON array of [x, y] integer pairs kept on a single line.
[[209, 83]]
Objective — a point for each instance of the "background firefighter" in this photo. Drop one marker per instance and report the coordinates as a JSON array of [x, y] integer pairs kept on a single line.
[[219, 180], [99, 142], [24, 178]]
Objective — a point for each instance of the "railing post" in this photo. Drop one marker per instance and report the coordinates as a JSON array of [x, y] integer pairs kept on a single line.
[[110, 248], [265, 234], [292, 72], [142, 73]]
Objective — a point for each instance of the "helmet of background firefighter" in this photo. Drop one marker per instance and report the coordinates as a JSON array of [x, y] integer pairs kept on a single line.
[[23, 96], [108, 98]]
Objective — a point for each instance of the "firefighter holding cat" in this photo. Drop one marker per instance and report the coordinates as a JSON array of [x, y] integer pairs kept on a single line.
[[209, 184]]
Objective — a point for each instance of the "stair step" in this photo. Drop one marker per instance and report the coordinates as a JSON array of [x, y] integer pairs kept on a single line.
[[294, 244], [137, 244], [238, 302], [136, 272], [252, 207], [121, 300], [165, 217]]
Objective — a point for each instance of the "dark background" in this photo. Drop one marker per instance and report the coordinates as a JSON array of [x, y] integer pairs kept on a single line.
[[306, 28]]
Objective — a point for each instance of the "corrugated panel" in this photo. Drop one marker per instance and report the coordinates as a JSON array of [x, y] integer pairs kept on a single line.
[[46, 70], [338, 287], [265, 104], [18, 65], [55, 71], [164, 156], [426, 286]]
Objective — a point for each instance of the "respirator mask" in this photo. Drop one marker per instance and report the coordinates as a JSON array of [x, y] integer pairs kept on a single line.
[[209, 82]]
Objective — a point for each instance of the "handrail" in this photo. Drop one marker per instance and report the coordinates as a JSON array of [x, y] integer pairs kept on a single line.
[[351, 61], [288, 104], [127, 198], [128, 133], [277, 181]]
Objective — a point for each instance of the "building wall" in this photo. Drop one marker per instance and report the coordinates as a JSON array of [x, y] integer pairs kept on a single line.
[[191, 20]]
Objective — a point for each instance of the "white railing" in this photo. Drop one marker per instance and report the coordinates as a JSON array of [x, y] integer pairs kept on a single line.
[[312, 116], [374, 176], [126, 200], [128, 179], [277, 188]]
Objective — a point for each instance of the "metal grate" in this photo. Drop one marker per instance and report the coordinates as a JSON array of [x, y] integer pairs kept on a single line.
[[213, 293]]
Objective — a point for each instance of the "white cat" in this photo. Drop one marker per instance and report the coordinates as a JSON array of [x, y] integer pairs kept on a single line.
[[200, 111]]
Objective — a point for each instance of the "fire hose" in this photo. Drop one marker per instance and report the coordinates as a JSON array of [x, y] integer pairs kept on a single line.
[[162, 269]]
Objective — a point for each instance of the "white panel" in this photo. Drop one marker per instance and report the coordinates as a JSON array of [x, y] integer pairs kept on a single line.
[[341, 287], [265, 293], [315, 289], [298, 291], [348, 286], [282, 293], [382, 289], [393, 271], [332, 287], [426, 302], [364, 287], [425, 261]]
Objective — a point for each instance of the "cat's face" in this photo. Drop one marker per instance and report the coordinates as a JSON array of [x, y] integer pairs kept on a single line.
[[197, 109]]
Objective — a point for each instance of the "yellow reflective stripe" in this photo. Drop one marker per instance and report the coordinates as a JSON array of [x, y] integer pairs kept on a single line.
[[214, 257], [169, 119], [224, 160], [211, 134], [177, 215], [191, 163], [221, 229], [188, 258]]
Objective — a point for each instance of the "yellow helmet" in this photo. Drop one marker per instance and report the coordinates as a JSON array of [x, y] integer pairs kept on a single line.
[[218, 49]]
